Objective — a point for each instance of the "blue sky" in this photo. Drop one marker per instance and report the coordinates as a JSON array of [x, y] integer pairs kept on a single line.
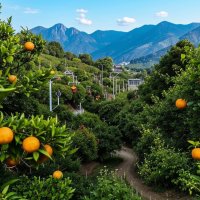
[[91, 15]]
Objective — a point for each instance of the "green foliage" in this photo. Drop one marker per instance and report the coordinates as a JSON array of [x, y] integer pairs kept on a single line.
[[108, 109], [132, 95], [147, 140], [161, 166], [109, 138], [4, 194], [105, 63], [111, 187], [86, 58], [13, 59], [44, 188], [81, 74], [86, 143], [67, 164], [169, 66], [55, 49], [81, 184], [79, 96], [189, 181], [127, 121], [69, 56]]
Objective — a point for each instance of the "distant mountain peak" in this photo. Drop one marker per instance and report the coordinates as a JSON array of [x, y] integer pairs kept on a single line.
[[58, 25], [137, 43], [164, 23]]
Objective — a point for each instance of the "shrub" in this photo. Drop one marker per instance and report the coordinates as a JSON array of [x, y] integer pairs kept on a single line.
[[86, 143], [109, 137], [44, 188], [81, 184], [161, 166], [111, 187]]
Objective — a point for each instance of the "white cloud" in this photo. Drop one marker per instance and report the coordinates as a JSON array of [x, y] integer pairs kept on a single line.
[[125, 21], [162, 14], [31, 11], [81, 10], [82, 19]]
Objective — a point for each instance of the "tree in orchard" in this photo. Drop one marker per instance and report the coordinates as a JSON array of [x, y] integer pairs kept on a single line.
[[162, 76], [34, 140]]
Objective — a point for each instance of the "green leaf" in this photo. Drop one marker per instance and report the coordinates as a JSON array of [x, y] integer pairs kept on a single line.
[[45, 153], [17, 139], [36, 156], [9, 183], [9, 59], [182, 56], [5, 190], [190, 103], [53, 130]]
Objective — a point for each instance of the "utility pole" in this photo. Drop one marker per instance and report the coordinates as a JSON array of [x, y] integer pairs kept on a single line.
[[114, 84], [50, 95]]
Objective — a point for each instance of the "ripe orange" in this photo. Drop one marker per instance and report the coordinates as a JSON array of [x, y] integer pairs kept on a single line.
[[57, 174], [12, 79], [49, 150], [29, 46], [74, 89], [196, 153], [30, 144], [181, 103], [11, 162], [6, 135]]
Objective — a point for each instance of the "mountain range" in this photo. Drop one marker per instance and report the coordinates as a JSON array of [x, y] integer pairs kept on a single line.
[[145, 42]]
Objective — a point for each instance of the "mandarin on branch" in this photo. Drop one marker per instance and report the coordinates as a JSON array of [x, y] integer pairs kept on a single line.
[[57, 174], [30, 144], [196, 153], [181, 103], [29, 46], [12, 78], [6, 135]]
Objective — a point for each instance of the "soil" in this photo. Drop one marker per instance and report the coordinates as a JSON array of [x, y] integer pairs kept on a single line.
[[127, 169]]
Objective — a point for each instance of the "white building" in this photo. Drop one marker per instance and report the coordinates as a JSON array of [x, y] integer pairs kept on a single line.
[[134, 83]]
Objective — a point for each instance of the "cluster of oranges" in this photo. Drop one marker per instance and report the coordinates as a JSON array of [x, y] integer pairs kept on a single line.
[[181, 104], [30, 144]]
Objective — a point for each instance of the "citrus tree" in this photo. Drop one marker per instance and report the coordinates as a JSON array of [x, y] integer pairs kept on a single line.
[[16, 50], [28, 141]]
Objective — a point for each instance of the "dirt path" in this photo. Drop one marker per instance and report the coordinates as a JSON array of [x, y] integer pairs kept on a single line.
[[127, 169]]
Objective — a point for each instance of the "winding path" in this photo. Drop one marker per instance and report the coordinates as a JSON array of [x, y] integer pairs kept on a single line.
[[127, 169]]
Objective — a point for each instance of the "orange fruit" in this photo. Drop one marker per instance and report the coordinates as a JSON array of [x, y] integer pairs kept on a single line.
[[74, 89], [196, 153], [181, 103], [52, 72], [57, 174], [29, 46], [11, 162], [6, 135], [12, 78], [49, 150], [30, 144]]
